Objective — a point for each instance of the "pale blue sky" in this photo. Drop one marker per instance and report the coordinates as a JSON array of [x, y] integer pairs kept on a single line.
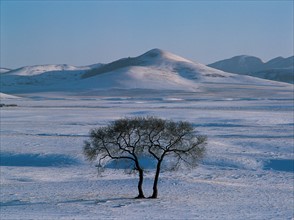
[[88, 32]]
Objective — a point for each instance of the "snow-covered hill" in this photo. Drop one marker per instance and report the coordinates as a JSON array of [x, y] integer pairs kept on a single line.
[[4, 70], [280, 63], [4, 96], [282, 74], [278, 69], [239, 64], [41, 78], [155, 69], [164, 62], [40, 69]]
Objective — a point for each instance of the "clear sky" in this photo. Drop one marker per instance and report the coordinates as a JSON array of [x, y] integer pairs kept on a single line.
[[87, 32]]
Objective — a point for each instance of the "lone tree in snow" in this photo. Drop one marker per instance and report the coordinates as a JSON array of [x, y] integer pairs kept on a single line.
[[120, 140], [146, 137], [174, 140]]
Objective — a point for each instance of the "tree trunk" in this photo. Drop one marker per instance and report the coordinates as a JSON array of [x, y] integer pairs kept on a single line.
[[155, 190], [140, 184]]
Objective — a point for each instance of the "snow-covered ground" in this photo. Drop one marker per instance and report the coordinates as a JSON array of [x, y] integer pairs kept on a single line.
[[246, 173]]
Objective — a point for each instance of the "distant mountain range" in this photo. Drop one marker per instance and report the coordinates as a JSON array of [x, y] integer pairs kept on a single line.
[[154, 70], [278, 69]]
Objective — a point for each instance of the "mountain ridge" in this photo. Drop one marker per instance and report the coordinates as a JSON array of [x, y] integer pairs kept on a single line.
[[278, 69], [156, 70], [4, 70]]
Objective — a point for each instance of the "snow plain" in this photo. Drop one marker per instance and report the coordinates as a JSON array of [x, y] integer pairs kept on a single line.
[[53, 180], [247, 172]]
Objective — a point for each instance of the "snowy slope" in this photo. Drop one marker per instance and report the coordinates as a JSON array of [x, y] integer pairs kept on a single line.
[[4, 96]]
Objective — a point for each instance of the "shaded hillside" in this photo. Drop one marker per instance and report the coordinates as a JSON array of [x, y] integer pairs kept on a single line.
[[277, 69]]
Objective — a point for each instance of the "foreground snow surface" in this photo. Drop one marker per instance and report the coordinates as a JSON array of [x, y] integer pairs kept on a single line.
[[45, 176]]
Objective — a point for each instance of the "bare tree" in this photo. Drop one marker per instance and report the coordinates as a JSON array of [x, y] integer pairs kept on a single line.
[[177, 141], [120, 140], [134, 138]]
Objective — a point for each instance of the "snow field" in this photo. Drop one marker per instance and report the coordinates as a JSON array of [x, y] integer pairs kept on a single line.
[[203, 196], [230, 183]]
